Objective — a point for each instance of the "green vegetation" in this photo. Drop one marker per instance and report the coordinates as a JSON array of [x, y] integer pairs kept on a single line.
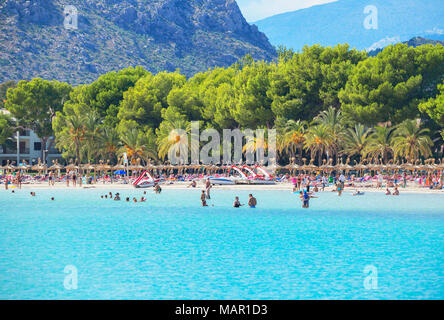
[[33, 104], [324, 102]]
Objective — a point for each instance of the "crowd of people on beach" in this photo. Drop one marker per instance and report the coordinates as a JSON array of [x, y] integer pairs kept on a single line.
[[74, 178], [305, 185]]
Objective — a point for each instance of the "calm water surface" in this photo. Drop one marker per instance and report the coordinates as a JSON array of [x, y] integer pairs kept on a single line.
[[171, 248]]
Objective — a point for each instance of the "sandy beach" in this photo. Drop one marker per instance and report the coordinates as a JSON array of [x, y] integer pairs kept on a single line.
[[200, 186]]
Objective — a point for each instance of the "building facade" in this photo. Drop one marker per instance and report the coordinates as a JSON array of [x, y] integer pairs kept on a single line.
[[26, 145]]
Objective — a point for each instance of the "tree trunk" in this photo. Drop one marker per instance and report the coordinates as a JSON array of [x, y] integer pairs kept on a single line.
[[44, 154], [77, 153]]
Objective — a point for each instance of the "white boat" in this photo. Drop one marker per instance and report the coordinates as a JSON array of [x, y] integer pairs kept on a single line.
[[222, 181], [145, 184], [145, 180], [260, 181]]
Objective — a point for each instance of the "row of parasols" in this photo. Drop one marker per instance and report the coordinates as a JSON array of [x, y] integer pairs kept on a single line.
[[428, 165]]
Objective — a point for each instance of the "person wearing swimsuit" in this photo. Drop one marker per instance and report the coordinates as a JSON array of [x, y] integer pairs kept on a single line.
[[237, 203], [252, 202]]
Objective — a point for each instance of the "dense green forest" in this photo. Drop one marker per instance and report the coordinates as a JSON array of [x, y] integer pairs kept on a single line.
[[323, 101]]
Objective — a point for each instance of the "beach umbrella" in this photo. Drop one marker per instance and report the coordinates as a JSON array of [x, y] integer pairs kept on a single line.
[[39, 166], [24, 166], [71, 166], [118, 167], [55, 166], [10, 167], [88, 167]]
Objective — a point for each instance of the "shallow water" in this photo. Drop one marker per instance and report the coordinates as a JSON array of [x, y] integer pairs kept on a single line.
[[171, 248]]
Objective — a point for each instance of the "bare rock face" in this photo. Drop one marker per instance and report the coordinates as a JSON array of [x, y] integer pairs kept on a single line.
[[192, 35]]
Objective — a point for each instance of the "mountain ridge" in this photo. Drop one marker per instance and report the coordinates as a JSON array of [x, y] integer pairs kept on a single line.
[[191, 35], [342, 21]]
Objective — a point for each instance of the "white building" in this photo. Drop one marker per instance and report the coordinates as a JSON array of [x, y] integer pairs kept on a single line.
[[27, 146]]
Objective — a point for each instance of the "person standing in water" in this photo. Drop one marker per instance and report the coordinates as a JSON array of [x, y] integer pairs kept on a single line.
[[252, 202], [203, 198], [236, 203], [208, 187]]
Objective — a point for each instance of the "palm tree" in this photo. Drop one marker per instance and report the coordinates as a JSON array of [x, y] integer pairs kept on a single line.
[[137, 145], [333, 120], [109, 143], [73, 135], [173, 135], [379, 144], [355, 142], [411, 141], [92, 127], [291, 138], [318, 140]]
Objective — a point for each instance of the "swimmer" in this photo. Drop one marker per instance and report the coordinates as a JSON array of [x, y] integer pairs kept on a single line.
[[236, 203], [52, 199], [387, 192], [358, 193], [203, 198], [106, 196], [305, 198], [101, 197], [157, 188], [32, 194], [252, 202], [127, 199], [117, 197], [339, 189], [134, 200], [143, 199], [396, 192]]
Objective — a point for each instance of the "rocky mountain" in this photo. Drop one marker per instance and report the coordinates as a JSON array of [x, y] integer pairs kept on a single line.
[[363, 24], [45, 38]]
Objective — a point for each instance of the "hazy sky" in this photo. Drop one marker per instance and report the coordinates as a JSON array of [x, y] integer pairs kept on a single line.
[[254, 10]]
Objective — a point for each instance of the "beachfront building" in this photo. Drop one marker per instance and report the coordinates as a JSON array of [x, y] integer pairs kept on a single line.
[[26, 145]]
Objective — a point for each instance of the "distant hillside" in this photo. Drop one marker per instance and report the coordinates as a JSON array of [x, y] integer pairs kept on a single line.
[[192, 35], [414, 42], [343, 22]]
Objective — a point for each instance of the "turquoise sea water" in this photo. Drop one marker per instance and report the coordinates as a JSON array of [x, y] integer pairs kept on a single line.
[[171, 248]]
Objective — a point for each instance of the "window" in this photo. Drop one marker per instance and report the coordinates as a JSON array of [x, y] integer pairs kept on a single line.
[[37, 146]]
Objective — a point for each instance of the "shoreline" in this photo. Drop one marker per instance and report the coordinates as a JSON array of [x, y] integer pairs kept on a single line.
[[184, 186]]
